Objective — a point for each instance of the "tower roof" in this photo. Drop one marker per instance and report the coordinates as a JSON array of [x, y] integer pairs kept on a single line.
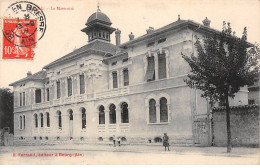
[[98, 16]]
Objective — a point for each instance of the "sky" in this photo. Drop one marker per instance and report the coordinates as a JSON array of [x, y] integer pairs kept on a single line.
[[63, 33]]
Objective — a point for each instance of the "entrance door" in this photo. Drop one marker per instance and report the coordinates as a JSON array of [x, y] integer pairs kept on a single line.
[[71, 124]]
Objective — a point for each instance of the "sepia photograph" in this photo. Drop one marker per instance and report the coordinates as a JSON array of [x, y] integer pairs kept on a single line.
[[129, 82]]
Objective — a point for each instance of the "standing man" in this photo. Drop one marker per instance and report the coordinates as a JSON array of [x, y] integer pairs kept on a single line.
[[166, 141]]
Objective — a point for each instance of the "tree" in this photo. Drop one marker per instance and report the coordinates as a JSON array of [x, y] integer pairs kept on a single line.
[[6, 108], [224, 63]]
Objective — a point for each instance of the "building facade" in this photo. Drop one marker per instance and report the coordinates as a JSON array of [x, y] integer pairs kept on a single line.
[[134, 90]]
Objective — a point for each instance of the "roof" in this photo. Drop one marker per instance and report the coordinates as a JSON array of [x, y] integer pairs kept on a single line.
[[173, 26], [98, 16], [41, 75], [99, 46]]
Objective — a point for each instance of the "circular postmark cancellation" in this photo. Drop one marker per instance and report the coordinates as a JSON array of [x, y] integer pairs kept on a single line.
[[24, 24]]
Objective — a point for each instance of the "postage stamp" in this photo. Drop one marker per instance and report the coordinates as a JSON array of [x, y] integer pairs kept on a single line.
[[24, 24]]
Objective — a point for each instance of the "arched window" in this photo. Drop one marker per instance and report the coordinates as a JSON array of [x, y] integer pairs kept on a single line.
[[112, 114], [124, 113], [36, 120], [101, 115], [23, 121], [41, 115], [59, 120], [152, 111], [48, 119], [21, 124], [163, 110], [71, 114], [83, 111]]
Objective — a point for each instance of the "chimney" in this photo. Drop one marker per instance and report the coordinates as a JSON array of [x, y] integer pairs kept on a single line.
[[179, 17], [131, 36], [118, 33], [206, 22], [29, 73], [150, 30]]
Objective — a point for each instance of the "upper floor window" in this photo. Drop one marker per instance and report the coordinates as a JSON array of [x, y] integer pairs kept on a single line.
[[114, 76], [126, 77], [23, 98], [162, 65], [58, 89], [38, 96], [69, 80], [47, 94], [82, 84], [150, 71], [124, 113], [41, 117], [23, 121], [59, 119]]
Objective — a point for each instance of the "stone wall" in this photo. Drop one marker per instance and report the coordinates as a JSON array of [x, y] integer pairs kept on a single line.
[[244, 122]]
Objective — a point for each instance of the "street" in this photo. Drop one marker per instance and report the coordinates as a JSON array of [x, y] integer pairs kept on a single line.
[[109, 155]]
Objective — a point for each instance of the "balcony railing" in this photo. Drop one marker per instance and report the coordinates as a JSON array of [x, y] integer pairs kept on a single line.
[[75, 99]]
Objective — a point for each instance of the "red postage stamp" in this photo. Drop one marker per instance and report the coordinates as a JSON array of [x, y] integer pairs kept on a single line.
[[24, 24]]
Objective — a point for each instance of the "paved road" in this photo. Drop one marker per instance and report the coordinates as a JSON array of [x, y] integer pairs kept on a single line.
[[46, 155]]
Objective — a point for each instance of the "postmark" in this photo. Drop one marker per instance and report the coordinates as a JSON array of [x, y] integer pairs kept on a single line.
[[24, 24]]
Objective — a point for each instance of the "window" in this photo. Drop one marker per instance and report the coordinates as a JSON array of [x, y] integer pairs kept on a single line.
[[23, 98], [163, 110], [125, 60], [71, 114], [251, 101], [21, 124], [36, 120], [162, 66], [59, 120], [23, 121], [41, 115], [101, 115], [58, 89], [38, 96], [48, 119], [126, 77], [150, 71], [83, 111], [124, 113], [47, 94], [152, 111], [69, 80], [150, 44], [157, 140], [112, 114], [161, 40], [114, 75], [82, 84]]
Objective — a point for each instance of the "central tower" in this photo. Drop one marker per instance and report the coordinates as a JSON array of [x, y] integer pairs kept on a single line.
[[98, 27]]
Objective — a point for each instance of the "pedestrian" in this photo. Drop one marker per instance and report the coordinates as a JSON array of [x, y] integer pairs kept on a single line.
[[114, 140], [118, 140], [166, 141]]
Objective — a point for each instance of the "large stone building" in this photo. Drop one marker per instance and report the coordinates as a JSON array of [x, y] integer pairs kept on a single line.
[[134, 90]]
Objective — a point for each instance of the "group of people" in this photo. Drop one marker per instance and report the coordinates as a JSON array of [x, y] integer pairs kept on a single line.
[[165, 141]]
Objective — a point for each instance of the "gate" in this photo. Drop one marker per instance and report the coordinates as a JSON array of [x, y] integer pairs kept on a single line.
[[201, 131]]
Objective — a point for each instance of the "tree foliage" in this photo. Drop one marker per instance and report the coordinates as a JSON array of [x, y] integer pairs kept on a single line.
[[6, 108], [224, 63]]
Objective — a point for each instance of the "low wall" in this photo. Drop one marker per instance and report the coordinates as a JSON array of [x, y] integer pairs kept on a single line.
[[244, 123]]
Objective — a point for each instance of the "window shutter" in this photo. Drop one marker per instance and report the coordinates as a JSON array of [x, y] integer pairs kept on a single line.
[[82, 84], [114, 74], [150, 72], [162, 66]]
